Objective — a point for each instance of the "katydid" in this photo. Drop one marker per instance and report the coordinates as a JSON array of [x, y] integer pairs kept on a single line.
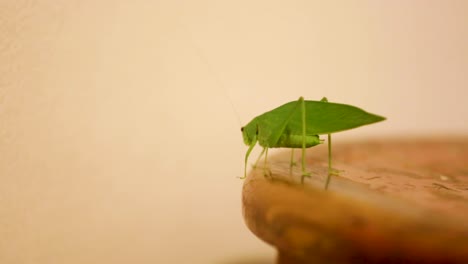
[[298, 124]]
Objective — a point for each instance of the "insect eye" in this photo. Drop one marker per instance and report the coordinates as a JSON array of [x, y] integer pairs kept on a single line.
[[242, 129]]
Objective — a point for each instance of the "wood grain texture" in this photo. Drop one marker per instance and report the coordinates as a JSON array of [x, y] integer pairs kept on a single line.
[[396, 201]]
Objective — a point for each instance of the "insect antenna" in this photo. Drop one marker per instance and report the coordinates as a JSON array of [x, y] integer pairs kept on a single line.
[[202, 56]]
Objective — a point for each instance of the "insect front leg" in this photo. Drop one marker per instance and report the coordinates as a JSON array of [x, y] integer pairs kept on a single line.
[[252, 145], [259, 157]]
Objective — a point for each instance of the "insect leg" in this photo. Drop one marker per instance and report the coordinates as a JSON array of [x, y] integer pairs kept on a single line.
[[329, 162], [331, 171], [265, 165], [259, 157], [292, 164], [252, 145], [303, 108]]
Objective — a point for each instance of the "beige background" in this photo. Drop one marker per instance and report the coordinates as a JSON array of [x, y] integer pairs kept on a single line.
[[118, 138]]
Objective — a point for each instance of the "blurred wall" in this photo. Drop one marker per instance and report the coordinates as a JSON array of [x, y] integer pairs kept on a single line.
[[119, 131]]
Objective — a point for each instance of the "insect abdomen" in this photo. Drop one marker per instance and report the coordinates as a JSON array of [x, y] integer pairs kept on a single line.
[[295, 141]]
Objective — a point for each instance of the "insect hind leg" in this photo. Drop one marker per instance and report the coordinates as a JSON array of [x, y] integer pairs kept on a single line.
[[304, 134], [331, 170]]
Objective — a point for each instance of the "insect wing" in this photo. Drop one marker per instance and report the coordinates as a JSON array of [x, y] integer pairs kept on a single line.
[[321, 118]]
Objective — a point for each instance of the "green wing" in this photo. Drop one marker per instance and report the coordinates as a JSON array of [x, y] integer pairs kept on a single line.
[[322, 118]]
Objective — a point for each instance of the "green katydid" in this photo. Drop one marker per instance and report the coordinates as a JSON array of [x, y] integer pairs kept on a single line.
[[298, 124]]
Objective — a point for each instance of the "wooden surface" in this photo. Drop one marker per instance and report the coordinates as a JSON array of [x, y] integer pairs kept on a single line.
[[396, 201]]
